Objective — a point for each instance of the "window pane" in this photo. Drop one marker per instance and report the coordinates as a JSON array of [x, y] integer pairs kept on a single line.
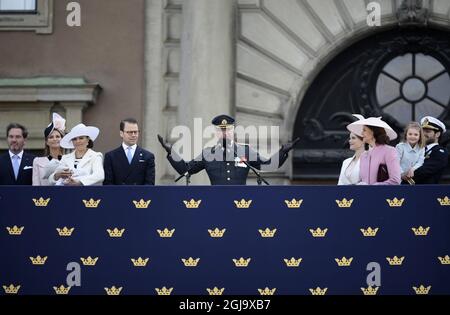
[[400, 110], [400, 67], [387, 89], [439, 89], [427, 66], [428, 108], [17, 5]]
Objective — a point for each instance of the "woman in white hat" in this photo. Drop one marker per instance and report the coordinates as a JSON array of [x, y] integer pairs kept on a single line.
[[44, 166], [379, 165], [82, 167]]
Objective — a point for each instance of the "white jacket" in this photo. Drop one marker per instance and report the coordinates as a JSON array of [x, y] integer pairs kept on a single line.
[[91, 164], [353, 177]]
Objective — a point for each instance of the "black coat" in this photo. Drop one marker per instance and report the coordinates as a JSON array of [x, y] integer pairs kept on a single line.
[[118, 171], [25, 176], [435, 162], [224, 170]]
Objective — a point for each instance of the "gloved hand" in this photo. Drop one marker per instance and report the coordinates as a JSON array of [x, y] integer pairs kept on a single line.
[[165, 145], [289, 146]]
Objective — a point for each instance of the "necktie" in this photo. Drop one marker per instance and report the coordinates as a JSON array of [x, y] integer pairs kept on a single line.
[[16, 165], [129, 156]]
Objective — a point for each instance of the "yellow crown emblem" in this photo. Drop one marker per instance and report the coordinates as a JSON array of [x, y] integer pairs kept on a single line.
[[215, 291], [89, 261], [241, 262], [41, 202], [370, 290], [318, 291], [113, 290], [422, 290], [91, 203], [444, 260], [15, 230], [38, 260], [139, 262], [369, 232], [344, 203], [267, 291], [61, 290], [294, 203], [216, 232], [164, 291], [395, 202], [166, 232], [192, 204], [141, 204], [293, 262], [11, 289], [243, 204], [115, 232], [344, 262], [444, 201], [318, 232], [267, 232], [65, 231], [420, 231], [395, 261], [190, 262]]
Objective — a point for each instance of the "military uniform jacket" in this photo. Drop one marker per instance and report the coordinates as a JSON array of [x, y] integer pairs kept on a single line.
[[225, 166], [436, 160]]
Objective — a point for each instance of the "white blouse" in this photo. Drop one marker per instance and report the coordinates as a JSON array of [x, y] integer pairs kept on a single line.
[[349, 172]]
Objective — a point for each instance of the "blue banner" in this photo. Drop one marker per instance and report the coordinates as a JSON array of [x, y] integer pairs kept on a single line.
[[239, 240]]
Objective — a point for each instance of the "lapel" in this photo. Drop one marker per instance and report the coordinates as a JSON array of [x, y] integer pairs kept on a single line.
[[85, 160], [8, 164], [134, 161]]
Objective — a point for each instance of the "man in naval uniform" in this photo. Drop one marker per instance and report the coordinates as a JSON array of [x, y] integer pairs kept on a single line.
[[436, 156], [225, 163]]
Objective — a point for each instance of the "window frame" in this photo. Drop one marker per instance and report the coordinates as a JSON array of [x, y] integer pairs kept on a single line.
[[40, 21]]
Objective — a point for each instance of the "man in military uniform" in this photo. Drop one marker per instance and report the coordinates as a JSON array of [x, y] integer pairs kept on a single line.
[[227, 163], [436, 156]]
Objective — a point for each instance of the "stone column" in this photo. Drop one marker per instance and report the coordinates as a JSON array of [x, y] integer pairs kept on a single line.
[[207, 64], [151, 124]]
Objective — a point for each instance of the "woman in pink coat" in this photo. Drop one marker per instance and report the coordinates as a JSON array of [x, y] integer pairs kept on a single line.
[[377, 134]]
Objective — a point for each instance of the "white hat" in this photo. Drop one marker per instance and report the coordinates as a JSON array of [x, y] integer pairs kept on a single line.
[[78, 131], [429, 122], [357, 126]]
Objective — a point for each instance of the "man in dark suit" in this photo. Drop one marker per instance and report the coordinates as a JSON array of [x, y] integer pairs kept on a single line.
[[16, 166], [436, 156], [228, 162], [129, 164]]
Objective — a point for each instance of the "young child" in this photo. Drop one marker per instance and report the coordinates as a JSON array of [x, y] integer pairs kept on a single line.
[[411, 151]]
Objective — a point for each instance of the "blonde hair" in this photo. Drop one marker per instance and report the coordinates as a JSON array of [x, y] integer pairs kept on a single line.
[[415, 125]]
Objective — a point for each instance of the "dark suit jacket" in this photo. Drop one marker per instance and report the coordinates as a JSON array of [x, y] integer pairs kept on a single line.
[[118, 171], [433, 167], [221, 171], [25, 176]]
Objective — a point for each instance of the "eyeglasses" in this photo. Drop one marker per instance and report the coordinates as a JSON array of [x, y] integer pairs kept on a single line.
[[132, 132]]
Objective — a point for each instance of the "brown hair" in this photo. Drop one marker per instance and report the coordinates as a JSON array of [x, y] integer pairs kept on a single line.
[[18, 126], [47, 148], [379, 134], [417, 126]]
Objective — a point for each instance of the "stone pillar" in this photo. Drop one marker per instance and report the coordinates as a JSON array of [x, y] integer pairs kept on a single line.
[[152, 123], [207, 64]]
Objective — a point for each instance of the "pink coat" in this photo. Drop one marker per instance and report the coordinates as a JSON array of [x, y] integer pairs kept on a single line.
[[371, 160]]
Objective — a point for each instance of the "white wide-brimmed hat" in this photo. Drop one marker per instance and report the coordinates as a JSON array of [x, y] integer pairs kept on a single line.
[[357, 126], [78, 131]]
